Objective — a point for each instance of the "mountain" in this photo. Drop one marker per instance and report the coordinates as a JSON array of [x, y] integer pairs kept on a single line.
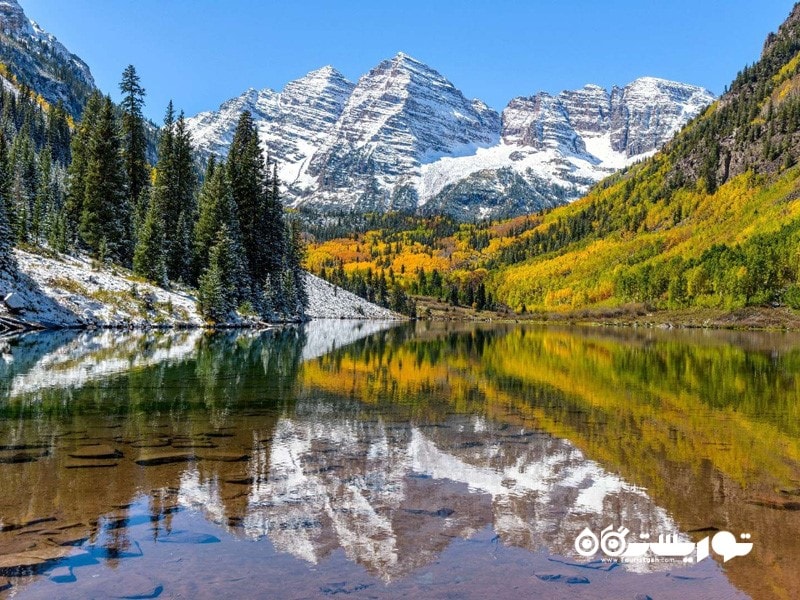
[[32, 57], [405, 138], [710, 224], [712, 221]]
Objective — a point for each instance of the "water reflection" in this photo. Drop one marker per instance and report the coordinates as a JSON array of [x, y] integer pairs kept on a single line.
[[405, 453]]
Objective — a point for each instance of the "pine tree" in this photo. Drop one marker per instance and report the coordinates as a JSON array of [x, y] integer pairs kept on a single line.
[[217, 291], [217, 212], [175, 194], [184, 207], [134, 140], [214, 305], [274, 226], [105, 225], [23, 187], [294, 267], [43, 204], [7, 263], [6, 182], [148, 257], [246, 170], [215, 208], [76, 174], [59, 135]]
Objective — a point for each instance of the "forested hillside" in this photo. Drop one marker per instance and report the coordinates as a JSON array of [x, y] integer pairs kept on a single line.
[[89, 188], [711, 221]]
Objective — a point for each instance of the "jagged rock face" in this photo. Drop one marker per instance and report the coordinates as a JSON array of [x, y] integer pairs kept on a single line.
[[404, 138], [589, 109], [646, 113], [40, 61], [292, 124], [401, 114], [540, 122]]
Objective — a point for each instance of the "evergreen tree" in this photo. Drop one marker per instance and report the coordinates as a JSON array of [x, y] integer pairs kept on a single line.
[[23, 186], [175, 194], [59, 135], [76, 174], [148, 257], [134, 140], [217, 291], [217, 212], [7, 263], [183, 205], [274, 244], [105, 225], [6, 181], [215, 208], [45, 197], [296, 295], [246, 170]]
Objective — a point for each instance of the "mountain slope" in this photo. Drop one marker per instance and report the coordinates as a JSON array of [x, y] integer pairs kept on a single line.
[[405, 138], [32, 57], [712, 221]]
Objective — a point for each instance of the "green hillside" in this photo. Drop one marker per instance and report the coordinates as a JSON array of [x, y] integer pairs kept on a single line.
[[711, 221]]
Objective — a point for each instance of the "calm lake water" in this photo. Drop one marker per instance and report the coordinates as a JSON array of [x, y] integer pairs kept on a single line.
[[369, 460]]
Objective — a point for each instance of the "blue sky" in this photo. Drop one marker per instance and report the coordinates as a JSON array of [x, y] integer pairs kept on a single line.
[[202, 52]]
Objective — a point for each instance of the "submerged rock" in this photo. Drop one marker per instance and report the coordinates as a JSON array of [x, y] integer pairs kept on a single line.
[[188, 537], [11, 563], [224, 456], [163, 458], [86, 464], [62, 575], [98, 451]]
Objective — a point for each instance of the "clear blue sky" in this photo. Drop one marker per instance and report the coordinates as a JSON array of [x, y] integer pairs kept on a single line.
[[202, 52]]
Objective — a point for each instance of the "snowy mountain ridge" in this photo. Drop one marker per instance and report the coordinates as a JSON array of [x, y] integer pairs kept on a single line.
[[37, 59], [405, 138]]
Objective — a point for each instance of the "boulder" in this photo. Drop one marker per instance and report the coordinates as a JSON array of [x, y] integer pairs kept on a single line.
[[14, 302]]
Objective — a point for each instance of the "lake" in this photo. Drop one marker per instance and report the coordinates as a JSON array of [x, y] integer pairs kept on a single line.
[[384, 460]]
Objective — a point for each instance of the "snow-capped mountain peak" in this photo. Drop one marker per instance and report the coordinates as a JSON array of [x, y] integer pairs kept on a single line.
[[404, 137]]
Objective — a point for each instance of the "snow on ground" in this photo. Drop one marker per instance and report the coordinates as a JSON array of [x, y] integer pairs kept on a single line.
[[327, 301], [546, 163], [75, 291], [66, 291]]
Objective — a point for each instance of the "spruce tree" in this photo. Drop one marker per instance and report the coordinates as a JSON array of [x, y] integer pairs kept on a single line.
[[43, 204], [218, 294], [275, 244], [8, 264], [105, 225], [175, 195], [59, 134], [294, 267], [217, 212], [246, 170], [76, 174], [184, 207], [148, 257], [134, 140], [23, 187], [6, 181], [215, 208]]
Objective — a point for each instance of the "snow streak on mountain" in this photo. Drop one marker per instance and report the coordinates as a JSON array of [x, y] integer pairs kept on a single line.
[[404, 138]]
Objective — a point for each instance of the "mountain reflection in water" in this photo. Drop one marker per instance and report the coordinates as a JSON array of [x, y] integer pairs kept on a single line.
[[380, 460]]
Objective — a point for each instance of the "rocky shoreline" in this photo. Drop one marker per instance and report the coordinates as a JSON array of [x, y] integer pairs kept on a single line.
[[65, 292]]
